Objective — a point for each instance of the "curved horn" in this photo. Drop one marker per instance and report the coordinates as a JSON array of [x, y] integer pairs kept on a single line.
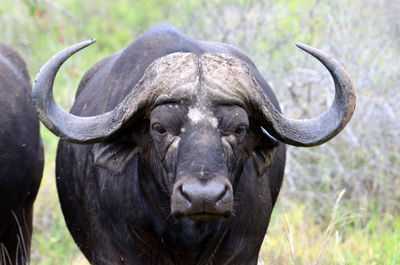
[[65, 125], [316, 131], [161, 76]]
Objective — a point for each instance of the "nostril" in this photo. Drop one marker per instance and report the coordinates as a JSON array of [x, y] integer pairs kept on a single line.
[[184, 194], [223, 194], [211, 193]]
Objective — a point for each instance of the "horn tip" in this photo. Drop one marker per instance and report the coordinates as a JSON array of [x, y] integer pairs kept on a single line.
[[303, 46], [311, 50], [89, 42]]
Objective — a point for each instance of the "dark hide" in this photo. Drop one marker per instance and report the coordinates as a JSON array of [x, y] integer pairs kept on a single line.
[[21, 158], [117, 201]]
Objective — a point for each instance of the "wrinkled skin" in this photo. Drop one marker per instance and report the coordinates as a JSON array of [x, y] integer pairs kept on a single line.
[[21, 158], [134, 199]]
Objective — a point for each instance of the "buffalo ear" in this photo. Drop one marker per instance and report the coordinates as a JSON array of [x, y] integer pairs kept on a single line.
[[114, 156], [262, 157], [262, 148]]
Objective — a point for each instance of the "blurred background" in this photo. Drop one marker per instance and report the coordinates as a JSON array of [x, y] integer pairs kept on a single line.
[[340, 202]]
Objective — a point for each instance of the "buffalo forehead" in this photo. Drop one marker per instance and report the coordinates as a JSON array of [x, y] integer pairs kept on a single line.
[[204, 79], [227, 79], [171, 77]]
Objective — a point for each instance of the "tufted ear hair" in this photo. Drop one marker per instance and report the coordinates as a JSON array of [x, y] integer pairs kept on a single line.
[[261, 148], [114, 156], [119, 151]]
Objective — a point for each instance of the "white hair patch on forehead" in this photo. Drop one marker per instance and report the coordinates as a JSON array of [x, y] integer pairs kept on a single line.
[[195, 115]]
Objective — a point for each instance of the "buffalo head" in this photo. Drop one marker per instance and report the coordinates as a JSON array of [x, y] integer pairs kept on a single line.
[[206, 114]]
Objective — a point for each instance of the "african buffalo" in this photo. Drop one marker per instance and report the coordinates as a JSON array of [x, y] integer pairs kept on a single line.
[[21, 158], [174, 150]]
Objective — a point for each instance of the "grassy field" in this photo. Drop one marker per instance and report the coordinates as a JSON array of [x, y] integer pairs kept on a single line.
[[340, 203]]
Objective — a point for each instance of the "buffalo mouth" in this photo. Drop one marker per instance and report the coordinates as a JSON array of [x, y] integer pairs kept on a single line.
[[203, 216], [202, 201]]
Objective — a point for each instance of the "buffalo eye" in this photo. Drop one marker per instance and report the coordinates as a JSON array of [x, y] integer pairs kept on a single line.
[[240, 131], [159, 129]]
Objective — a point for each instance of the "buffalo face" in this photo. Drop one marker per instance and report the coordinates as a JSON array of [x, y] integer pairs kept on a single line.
[[201, 149]]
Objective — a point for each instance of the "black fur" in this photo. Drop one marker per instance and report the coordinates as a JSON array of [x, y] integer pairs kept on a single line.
[[21, 158]]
